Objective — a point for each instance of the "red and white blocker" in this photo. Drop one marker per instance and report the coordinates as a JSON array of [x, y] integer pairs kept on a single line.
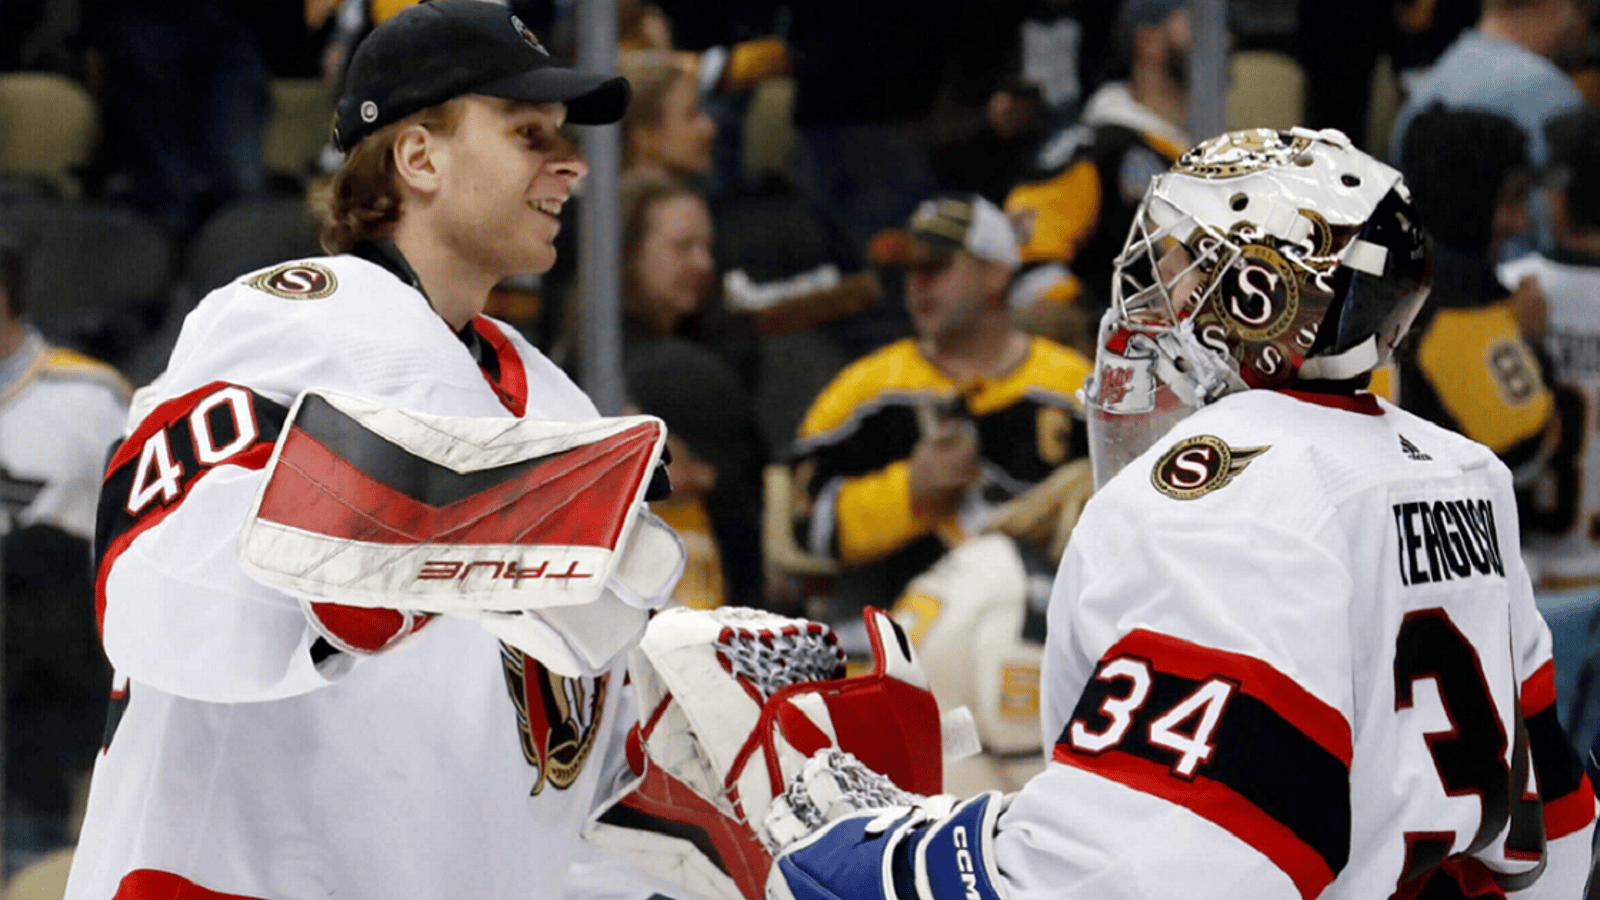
[[378, 518]]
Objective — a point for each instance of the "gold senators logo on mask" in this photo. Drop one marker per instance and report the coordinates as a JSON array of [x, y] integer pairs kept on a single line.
[[558, 717], [1198, 465]]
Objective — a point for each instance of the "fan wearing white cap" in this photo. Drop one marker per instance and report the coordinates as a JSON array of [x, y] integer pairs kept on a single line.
[[368, 562], [910, 449]]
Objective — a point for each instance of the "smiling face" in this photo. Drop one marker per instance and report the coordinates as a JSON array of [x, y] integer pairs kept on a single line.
[[504, 173]]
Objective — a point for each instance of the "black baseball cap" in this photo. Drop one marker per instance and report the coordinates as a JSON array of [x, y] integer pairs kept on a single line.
[[434, 51]]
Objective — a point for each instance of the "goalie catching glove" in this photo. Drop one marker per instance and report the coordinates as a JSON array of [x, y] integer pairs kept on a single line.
[[732, 704], [378, 518]]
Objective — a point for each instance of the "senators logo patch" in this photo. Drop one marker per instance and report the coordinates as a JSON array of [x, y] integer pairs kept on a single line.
[[1198, 465], [558, 717], [297, 281]]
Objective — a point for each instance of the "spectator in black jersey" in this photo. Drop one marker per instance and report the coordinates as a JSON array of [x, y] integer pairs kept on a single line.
[[909, 450], [1468, 364], [1074, 208]]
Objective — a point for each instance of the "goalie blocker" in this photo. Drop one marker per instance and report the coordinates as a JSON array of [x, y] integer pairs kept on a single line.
[[379, 518]]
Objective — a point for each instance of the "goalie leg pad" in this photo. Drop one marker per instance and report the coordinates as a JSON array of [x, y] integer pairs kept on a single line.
[[896, 854]]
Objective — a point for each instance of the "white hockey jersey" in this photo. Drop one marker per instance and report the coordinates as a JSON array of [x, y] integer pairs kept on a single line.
[[59, 416], [1563, 533], [1293, 653], [245, 761]]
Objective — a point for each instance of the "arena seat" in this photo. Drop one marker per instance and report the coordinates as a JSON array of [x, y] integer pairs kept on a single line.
[[95, 272], [1267, 91], [47, 128], [299, 126]]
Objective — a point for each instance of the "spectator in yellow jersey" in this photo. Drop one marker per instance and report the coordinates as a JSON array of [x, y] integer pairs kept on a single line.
[[1072, 212], [909, 450], [1469, 364]]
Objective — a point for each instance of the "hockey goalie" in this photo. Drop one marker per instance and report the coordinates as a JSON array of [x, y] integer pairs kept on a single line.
[[1292, 650]]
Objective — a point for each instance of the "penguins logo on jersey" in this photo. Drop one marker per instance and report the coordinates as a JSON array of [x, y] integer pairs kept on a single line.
[[1198, 465], [297, 281], [558, 717]]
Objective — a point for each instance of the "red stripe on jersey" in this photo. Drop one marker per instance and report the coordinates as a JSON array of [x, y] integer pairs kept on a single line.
[[1564, 815], [578, 498], [1217, 803], [1539, 690], [512, 387], [1362, 402], [1297, 706], [152, 884], [159, 418]]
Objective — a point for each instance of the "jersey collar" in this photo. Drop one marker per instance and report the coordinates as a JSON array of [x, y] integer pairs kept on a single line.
[[1361, 402]]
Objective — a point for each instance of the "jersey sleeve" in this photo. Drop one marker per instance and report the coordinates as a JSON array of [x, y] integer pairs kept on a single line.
[[174, 608], [1198, 683], [1560, 788]]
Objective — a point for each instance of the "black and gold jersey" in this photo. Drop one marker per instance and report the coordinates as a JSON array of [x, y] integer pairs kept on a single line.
[[1075, 208], [852, 471], [1466, 365]]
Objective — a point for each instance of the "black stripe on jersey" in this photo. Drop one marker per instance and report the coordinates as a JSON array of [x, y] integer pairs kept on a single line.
[[621, 815], [1554, 761], [394, 466], [1258, 755]]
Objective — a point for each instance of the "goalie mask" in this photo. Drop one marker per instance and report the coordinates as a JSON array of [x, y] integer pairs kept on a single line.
[[1261, 259]]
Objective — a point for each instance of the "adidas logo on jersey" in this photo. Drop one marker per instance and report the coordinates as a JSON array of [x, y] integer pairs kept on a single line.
[[1411, 451]]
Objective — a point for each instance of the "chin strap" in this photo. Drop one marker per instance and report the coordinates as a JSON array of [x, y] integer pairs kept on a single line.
[[1363, 357]]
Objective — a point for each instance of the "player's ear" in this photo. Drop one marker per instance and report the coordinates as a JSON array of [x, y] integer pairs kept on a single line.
[[418, 155]]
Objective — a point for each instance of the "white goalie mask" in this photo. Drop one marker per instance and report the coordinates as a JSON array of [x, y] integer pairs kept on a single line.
[[1262, 259]]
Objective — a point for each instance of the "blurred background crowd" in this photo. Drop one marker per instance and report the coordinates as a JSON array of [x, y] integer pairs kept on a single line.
[[864, 245]]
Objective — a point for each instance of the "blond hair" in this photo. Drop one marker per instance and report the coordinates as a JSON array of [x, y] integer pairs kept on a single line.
[[651, 74], [362, 200]]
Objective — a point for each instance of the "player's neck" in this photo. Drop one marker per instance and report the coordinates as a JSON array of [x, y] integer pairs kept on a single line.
[[457, 289], [990, 352]]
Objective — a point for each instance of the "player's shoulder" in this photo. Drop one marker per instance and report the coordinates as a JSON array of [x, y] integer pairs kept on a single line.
[[1056, 365], [69, 367], [334, 321], [1295, 455], [314, 284], [895, 370], [324, 301]]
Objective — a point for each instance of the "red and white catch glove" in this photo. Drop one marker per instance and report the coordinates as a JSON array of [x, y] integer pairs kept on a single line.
[[732, 704]]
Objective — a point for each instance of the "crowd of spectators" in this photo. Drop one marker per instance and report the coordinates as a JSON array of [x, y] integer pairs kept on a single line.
[[757, 294]]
